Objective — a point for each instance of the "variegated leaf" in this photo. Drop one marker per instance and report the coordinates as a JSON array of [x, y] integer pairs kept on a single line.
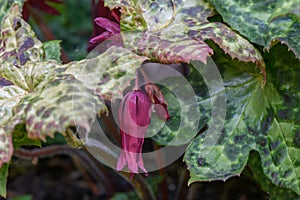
[[132, 14], [264, 22], [264, 119], [108, 74], [231, 43], [6, 5], [176, 32], [167, 51], [9, 97], [18, 43], [57, 104], [6, 147], [49, 97]]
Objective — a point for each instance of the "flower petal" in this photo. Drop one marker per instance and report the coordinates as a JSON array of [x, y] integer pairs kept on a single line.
[[157, 98], [100, 38], [134, 118], [108, 25]]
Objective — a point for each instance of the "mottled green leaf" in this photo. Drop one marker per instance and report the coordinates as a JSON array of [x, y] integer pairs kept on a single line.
[[257, 119], [177, 30], [52, 50], [9, 97], [264, 22], [132, 14], [3, 9], [182, 107], [3, 179], [56, 104], [49, 97], [5, 6], [18, 43], [108, 74], [275, 192], [6, 147], [231, 43], [166, 51]]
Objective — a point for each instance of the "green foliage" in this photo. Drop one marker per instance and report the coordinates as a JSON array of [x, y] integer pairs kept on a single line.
[[52, 50], [275, 192], [48, 97], [264, 22], [257, 119], [40, 97], [184, 121], [20, 137], [3, 179], [175, 31]]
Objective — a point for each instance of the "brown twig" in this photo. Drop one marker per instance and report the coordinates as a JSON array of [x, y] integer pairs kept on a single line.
[[140, 186], [138, 182], [182, 185], [53, 150], [87, 178], [162, 172], [145, 76]]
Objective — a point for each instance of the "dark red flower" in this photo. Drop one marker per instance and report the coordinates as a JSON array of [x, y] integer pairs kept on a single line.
[[106, 23], [134, 119], [40, 5], [157, 98]]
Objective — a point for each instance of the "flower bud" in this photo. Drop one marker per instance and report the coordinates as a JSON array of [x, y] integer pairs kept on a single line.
[[134, 119], [157, 98]]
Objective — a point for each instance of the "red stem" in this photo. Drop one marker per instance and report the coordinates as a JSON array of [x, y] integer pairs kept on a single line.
[[46, 31]]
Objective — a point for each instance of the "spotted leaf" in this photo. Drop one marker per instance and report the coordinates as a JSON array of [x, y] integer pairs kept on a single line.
[[176, 32], [264, 22], [108, 74], [262, 119], [18, 43]]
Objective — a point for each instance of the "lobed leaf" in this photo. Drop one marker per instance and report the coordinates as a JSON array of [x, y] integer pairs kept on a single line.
[[166, 51], [6, 147], [132, 14], [18, 43], [108, 74], [176, 32], [49, 97], [231, 43], [254, 121], [275, 193], [57, 104], [264, 22]]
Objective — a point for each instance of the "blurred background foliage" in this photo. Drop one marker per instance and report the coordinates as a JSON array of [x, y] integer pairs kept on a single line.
[[73, 26]]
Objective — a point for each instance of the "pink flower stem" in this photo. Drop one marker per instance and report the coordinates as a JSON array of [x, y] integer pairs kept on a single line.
[[136, 87], [142, 71]]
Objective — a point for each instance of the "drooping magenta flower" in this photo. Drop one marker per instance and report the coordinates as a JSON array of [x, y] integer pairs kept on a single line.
[[134, 119], [106, 23], [39, 5], [157, 98]]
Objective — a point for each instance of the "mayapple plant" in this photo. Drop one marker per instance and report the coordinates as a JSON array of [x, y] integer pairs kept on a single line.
[[256, 50]]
